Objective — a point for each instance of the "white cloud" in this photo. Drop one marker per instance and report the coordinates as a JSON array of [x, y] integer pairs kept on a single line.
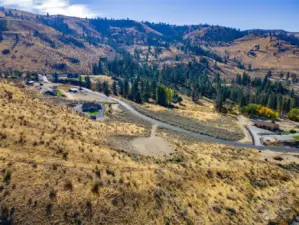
[[53, 7]]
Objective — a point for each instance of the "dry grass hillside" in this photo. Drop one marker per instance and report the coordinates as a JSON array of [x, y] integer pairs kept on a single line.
[[59, 167], [49, 43], [272, 54], [27, 51], [29, 45]]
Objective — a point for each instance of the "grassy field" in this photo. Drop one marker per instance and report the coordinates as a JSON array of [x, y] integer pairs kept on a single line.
[[201, 118], [58, 166], [93, 113], [59, 94]]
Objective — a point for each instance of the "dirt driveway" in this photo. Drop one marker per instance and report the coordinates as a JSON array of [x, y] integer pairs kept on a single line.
[[152, 146]]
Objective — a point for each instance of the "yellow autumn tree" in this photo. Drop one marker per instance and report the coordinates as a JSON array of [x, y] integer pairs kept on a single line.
[[269, 113]]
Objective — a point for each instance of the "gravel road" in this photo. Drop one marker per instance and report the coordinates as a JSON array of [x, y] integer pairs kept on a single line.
[[158, 123]]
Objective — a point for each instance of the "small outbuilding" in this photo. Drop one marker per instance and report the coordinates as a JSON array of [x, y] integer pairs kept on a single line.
[[266, 125]]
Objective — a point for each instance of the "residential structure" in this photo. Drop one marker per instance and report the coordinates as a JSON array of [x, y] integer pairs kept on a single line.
[[266, 125]]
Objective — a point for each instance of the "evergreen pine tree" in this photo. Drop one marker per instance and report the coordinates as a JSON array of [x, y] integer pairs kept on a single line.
[[28, 77], [292, 104], [243, 101], [279, 104], [88, 82], [154, 89], [114, 87], [55, 77], [95, 69], [106, 88], [292, 93], [147, 91], [35, 75], [219, 99], [80, 81], [126, 88], [121, 87]]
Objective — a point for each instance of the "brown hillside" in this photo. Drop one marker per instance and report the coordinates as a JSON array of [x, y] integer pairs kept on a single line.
[[272, 54], [42, 51], [59, 166], [36, 43]]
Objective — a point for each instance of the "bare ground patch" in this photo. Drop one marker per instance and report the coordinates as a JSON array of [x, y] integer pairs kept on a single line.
[[147, 146]]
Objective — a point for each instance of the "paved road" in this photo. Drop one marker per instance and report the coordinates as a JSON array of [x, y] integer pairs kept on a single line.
[[194, 134], [284, 137], [257, 134]]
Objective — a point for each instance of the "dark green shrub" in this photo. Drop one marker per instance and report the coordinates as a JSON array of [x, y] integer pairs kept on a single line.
[[7, 177], [95, 187]]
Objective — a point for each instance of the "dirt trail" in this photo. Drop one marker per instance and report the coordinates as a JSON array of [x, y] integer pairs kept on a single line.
[[154, 129], [243, 121]]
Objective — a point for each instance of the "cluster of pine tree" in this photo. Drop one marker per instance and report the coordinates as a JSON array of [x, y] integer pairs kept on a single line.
[[193, 77], [56, 22], [245, 90], [138, 90]]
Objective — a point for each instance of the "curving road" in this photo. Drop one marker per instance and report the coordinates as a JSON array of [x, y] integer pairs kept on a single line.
[[194, 134]]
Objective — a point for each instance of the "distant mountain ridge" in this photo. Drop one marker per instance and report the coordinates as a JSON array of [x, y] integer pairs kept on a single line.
[[44, 43]]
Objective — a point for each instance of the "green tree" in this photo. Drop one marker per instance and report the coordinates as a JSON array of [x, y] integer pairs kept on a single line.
[[161, 95], [147, 91], [80, 81], [169, 95], [28, 77], [135, 94], [164, 95], [294, 114], [126, 88], [292, 103], [292, 93], [272, 101], [243, 101], [219, 100], [279, 104], [154, 89], [121, 87], [286, 105], [55, 77], [100, 68], [114, 88], [106, 88], [195, 94], [88, 82], [35, 77], [95, 69]]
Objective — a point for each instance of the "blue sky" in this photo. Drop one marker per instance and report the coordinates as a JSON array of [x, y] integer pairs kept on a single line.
[[243, 14]]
